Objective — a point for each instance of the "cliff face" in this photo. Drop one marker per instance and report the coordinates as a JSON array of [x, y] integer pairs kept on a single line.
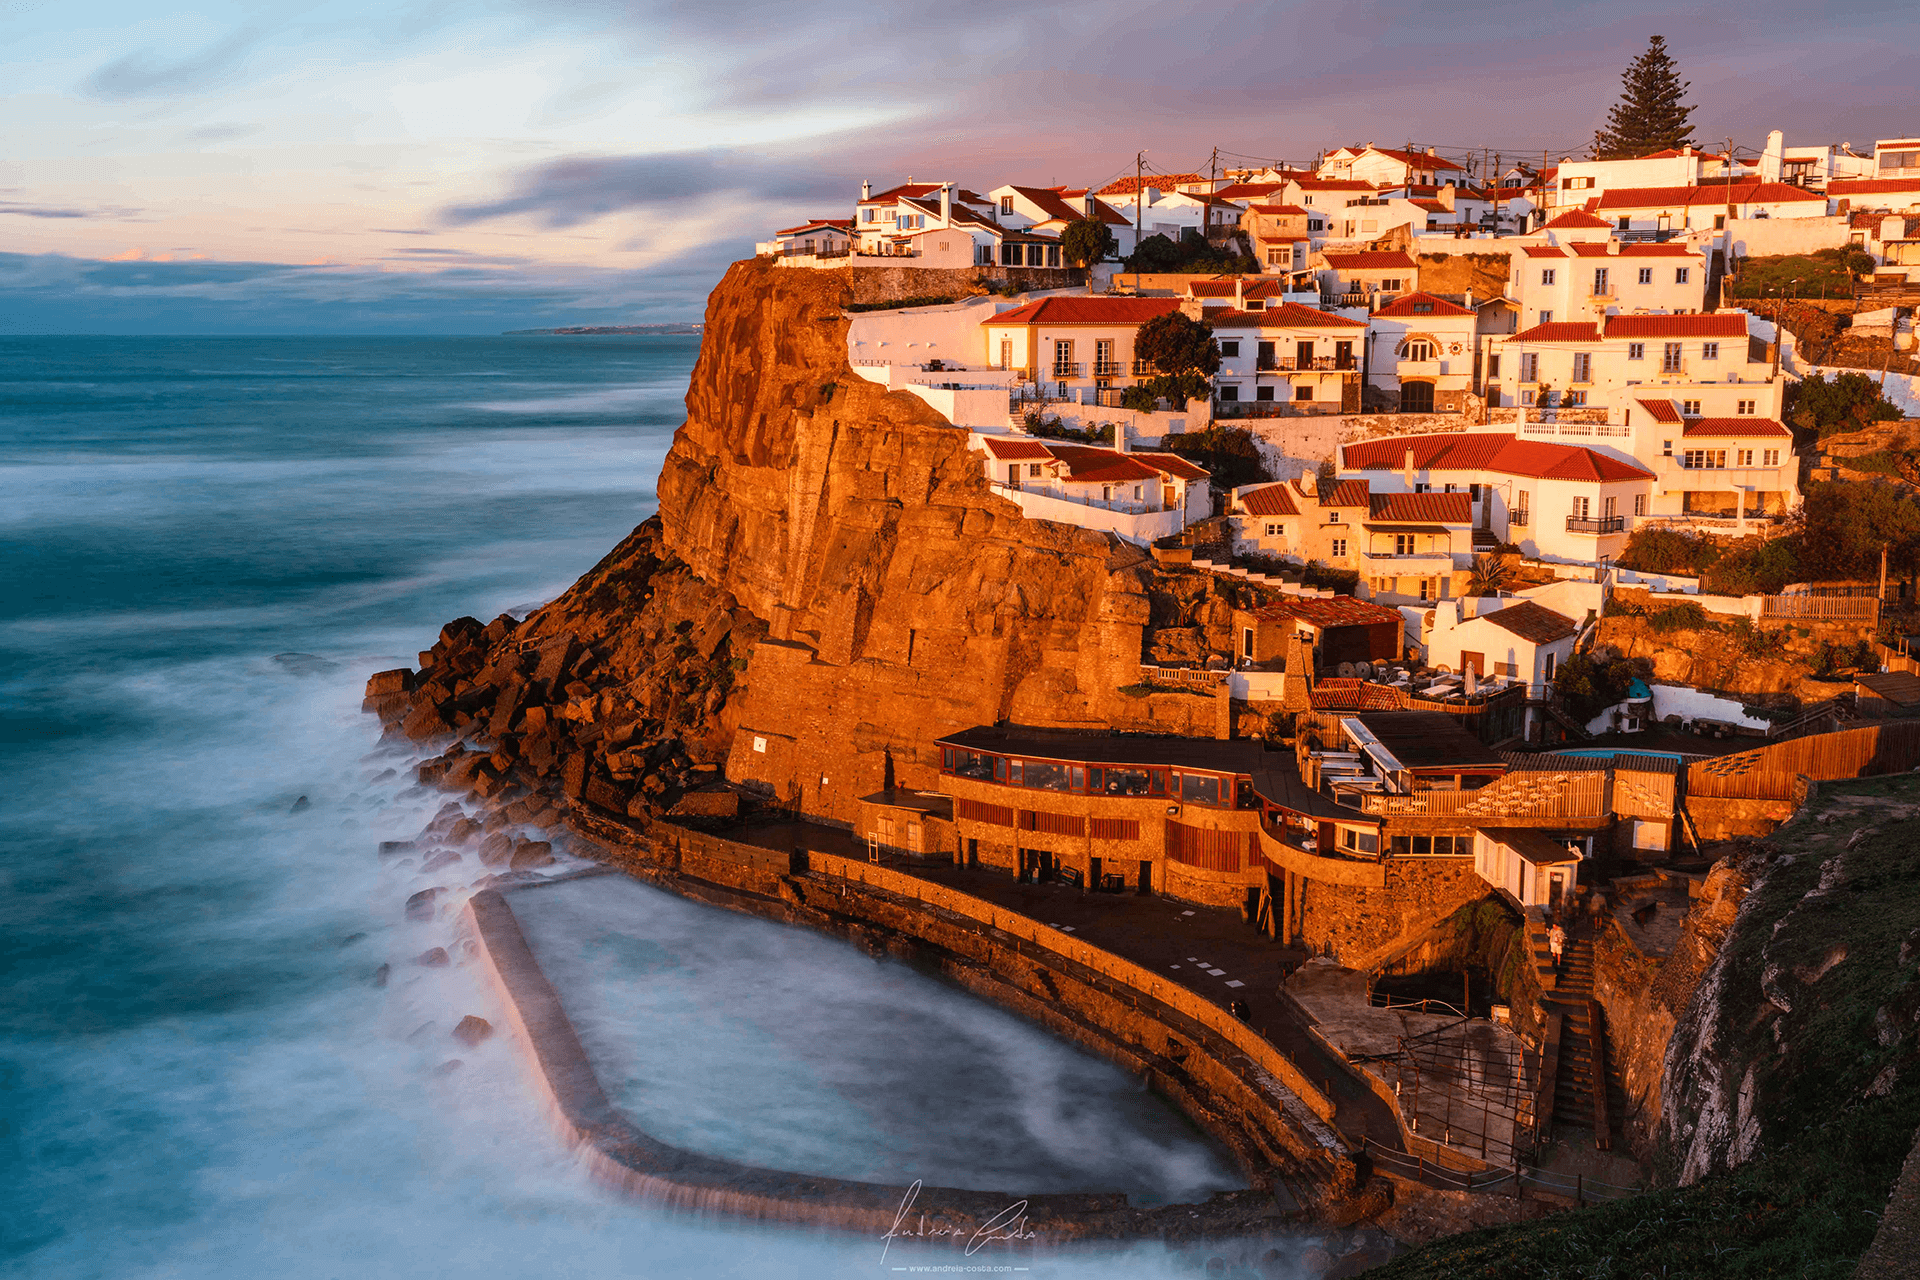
[[830, 584]]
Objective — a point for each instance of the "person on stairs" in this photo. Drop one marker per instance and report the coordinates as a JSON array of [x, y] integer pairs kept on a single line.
[[1557, 945]]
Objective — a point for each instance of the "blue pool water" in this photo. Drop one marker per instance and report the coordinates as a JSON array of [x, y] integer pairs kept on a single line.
[[1608, 753], [206, 546]]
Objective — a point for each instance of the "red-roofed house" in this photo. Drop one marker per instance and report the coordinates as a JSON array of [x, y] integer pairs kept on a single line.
[[1719, 469], [1704, 207], [1281, 235], [824, 237], [1137, 496], [1340, 629], [1051, 210], [1423, 350], [1075, 345], [1264, 519], [1519, 640], [1281, 359], [1557, 501], [1606, 365], [1365, 278], [1588, 280], [1388, 167], [1416, 546]]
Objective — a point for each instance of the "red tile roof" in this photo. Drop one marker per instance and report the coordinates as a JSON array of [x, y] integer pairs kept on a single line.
[[1660, 251], [1661, 410], [1333, 184], [1345, 493], [1491, 451], [1871, 186], [1742, 191], [1086, 310], [1733, 427], [1371, 260], [1560, 331], [1575, 218], [1087, 465], [1053, 203], [1158, 181], [1544, 251], [1416, 159], [1288, 315], [1257, 287], [1533, 621], [1292, 209], [1013, 450], [1174, 465], [1270, 500], [1328, 611], [1247, 190], [1412, 304], [905, 191], [1733, 325], [1423, 508], [840, 224]]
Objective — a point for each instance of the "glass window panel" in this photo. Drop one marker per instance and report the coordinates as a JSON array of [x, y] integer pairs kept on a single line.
[[1200, 788]]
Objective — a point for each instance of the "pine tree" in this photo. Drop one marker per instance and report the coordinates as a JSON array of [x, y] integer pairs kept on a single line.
[[1650, 115]]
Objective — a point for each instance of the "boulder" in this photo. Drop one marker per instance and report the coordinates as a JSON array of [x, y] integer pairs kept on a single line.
[[464, 831], [398, 680], [433, 772], [381, 975], [394, 848], [392, 708], [556, 657], [433, 958], [461, 633], [424, 722], [488, 783], [496, 849], [500, 628], [420, 906], [472, 1030], [573, 775], [530, 854], [603, 794], [301, 805], [440, 858]]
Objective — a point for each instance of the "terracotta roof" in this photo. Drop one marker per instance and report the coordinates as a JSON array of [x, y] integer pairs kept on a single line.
[[1871, 186], [1247, 190], [1733, 427], [1661, 410], [1088, 465], [1431, 206], [905, 191], [1423, 508], [1270, 500], [1575, 218], [1086, 310], [1733, 325], [1292, 209], [1560, 331], [1333, 184], [1345, 493], [1743, 191], [1533, 621], [1417, 159], [1491, 451], [1288, 315], [1158, 181], [1257, 287], [1370, 260], [1173, 464], [1544, 251], [1328, 611], [840, 224], [1421, 304], [1659, 251], [1053, 203], [1011, 450]]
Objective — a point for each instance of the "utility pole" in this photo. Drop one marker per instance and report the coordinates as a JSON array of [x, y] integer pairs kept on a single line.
[[1139, 168], [1726, 241]]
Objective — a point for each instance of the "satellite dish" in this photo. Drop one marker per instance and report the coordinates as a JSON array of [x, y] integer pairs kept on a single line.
[[1345, 669], [1364, 670], [1444, 669]]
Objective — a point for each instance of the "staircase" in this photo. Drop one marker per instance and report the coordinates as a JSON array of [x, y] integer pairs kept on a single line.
[[1484, 540], [1581, 1101]]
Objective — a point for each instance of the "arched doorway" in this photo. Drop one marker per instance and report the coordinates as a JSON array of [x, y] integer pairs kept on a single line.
[[1416, 397]]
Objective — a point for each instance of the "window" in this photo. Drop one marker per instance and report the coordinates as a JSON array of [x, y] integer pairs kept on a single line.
[[1666, 448], [1006, 204], [1103, 356], [1304, 391], [1229, 392], [1333, 516], [1670, 358], [1546, 275], [1033, 468], [1581, 507], [1690, 408], [1338, 549], [1607, 507], [1263, 393], [1426, 589], [1680, 273], [1582, 367], [868, 215], [1599, 280], [1418, 351], [1275, 529], [1576, 184], [1639, 504], [1646, 275], [1771, 458], [1709, 351], [1530, 367], [1493, 366], [1625, 224], [1546, 317], [1573, 397], [1279, 257], [1403, 544], [1705, 459], [1746, 457], [1230, 347], [1063, 357], [1744, 407], [1526, 397], [1636, 351]]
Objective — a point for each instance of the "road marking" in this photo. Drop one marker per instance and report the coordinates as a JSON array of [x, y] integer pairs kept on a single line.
[[1236, 983], [1217, 972]]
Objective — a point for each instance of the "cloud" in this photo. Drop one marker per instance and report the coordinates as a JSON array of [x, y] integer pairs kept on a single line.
[[567, 192], [145, 74], [116, 212]]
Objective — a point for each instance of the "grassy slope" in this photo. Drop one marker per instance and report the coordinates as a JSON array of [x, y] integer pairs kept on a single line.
[[1809, 1203]]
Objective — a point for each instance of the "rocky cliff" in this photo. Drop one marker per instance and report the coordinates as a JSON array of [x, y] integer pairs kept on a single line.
[[830, 585]]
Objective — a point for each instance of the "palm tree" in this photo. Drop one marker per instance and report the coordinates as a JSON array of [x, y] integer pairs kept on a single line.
[[1492, 573]]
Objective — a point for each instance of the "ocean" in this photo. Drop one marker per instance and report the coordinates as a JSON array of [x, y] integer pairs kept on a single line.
[[206, 545]]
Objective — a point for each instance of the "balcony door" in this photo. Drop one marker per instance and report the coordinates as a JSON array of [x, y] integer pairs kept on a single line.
[[1416, 397], [1303, 355]]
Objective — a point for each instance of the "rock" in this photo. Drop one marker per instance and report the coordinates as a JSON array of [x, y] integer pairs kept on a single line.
[[472, 1030], [398, 680], [433, 958], [381, 975], [352, 938], [708, 804], [440, 858], [464, 831], [488, 783], [425, 722], [497, 849], [385, 775], [498, 820], [529, 854], [460, 634], [432, 773], [301, 805], [603, 794], [500, 628], [448, 1067], [394, 848], [392, 708], [574, 775], [421, 905]]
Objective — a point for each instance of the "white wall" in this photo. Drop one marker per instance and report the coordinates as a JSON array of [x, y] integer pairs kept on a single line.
[[975, 407], [1692, 704], [1142, 530], [916, 334], [1762, 237]]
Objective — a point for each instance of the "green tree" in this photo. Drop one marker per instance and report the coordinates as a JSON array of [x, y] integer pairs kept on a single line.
[[1850, 402], [1491, 574], [1087, 241], [1175, 343], [1650, 115]]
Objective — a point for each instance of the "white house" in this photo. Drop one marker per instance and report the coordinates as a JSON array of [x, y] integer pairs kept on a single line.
[[1587, 279], [1388, 167], [1077, 346], [1366, 278], [1138, 496], [1052, 209], [1583, 363], [1577, 182], [1283, 359], [1705, 207], [1415, 547], [1714, 469], [1558, 502], [1423, 353], [1537, 869], [818, 237]]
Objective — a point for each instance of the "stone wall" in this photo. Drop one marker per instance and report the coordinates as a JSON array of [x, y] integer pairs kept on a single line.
[[1362, 927], [891, 284]]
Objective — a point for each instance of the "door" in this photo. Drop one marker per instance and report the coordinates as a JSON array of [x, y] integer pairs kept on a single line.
[[1303, 355], [1093, 873], [1474, 662], [1246, 642], [1416, 397], [1343, 355], [1146, 875]]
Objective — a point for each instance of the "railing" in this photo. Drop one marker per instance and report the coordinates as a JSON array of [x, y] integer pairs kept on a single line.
[[1408, 555], [1596, 524], [1062, 372], [1357, 299], [1518, 518], [1294, 364], [1827, 608], [1109, 369], [1513, 1181], [1145, 369]]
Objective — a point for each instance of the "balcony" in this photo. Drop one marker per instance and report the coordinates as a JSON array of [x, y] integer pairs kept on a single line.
[[1064, 372], [1596, 524], [1410, 558], [1109, 369], [1145, 369], [1294, 364], [1518, 519]]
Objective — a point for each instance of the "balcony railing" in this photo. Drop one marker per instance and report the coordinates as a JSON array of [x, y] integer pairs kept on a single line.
[[1109, 369], [1409, 555], [1596, 524], [1294, 364], [1354, 299], [1145, 369], [1518, 518], [1061, 372]]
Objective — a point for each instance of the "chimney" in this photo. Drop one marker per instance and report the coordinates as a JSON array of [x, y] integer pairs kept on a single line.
[[1087, 203], [1239, 293], [866, 191], [946, 202], [1407, 469]]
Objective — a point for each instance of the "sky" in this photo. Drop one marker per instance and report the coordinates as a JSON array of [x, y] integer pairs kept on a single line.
[[402, 167]]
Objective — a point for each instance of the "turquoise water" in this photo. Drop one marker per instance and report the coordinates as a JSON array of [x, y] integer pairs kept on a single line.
[[207, 545], [1607, 753]]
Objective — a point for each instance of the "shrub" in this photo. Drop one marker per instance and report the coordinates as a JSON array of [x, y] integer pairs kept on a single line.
[[926, 300], [1847, 402], [1228, 453], [1685, 616], [1668, 551], [1316, 574]]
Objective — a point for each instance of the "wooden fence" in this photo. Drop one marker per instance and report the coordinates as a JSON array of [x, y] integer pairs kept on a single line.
[[1861, 609], [1524, 794], [1769, 773]]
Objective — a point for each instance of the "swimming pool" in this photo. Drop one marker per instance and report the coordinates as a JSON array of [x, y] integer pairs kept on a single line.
[[1607, 753]]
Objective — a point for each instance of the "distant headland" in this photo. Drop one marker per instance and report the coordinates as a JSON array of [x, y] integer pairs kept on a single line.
[[608, 328]]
